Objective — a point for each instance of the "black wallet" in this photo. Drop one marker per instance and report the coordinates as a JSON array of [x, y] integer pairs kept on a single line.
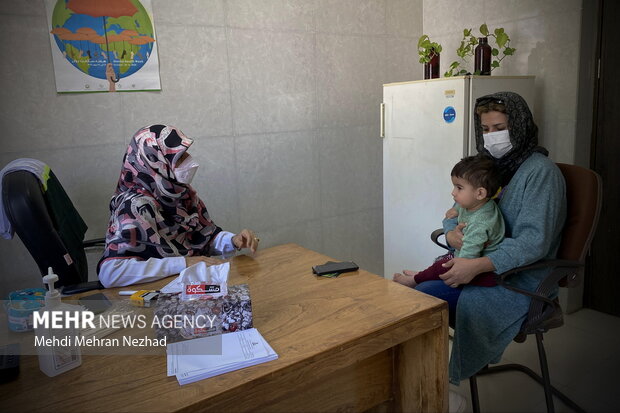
[[331, 267]]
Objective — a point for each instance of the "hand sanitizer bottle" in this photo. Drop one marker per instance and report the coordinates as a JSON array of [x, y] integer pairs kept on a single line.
[[57, 347]]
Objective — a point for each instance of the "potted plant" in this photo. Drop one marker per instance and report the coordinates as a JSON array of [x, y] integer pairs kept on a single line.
[[429, 56], [469, 44]]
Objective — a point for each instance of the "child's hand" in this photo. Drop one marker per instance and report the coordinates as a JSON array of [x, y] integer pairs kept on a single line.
[[451, 213]]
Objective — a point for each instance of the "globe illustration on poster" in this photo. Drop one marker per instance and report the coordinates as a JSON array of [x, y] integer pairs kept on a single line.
[[106, 39]]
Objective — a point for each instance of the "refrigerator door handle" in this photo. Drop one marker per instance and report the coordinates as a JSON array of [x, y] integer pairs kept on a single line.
[[382, 117]]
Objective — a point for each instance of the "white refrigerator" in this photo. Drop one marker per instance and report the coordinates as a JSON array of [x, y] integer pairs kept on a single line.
[[427, 127]]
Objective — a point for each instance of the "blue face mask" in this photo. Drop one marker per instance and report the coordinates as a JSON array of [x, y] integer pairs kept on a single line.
[[497, 143]]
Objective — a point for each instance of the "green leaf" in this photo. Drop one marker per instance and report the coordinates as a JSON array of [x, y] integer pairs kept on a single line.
[[509, 51], [494, 52], [454, 65], [495, 63], [463, 72], [502, 39], [421, 40], [484, 29], [466, 32], [499, 31], [438, 48]]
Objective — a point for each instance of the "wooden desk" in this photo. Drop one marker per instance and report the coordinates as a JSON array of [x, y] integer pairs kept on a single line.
[[345, 344]]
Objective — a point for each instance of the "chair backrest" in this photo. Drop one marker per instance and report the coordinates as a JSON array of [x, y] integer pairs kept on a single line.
[[28, 209], [584, 197]]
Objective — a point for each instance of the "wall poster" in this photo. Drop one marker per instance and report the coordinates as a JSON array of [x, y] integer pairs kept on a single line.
[[103, 45]]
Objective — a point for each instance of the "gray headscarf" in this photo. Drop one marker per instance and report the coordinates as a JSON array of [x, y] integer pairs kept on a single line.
[[522, 129]]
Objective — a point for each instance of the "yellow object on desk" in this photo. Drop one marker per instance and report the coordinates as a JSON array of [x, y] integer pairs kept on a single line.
[[144, 298]]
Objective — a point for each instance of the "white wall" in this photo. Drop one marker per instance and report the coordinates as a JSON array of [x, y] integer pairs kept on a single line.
[[281, 97]]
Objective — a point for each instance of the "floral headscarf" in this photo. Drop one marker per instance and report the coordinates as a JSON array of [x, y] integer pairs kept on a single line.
[[521, 127], [152, 214]]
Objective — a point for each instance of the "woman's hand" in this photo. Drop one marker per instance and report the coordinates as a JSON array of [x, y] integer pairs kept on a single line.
[[189, 261], [246, 239], [455, 237], [463, 270]]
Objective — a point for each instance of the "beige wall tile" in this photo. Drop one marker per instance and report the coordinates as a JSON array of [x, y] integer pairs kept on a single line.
[[351, 16], [272, 14], [272, 79], [189, 12]]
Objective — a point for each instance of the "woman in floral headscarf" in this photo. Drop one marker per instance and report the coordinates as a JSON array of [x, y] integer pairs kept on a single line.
[[533, 204], [158, 224]]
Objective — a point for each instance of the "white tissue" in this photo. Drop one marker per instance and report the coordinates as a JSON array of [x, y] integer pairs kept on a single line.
[[201, 281]]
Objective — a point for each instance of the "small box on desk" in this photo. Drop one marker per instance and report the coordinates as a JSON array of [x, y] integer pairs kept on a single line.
[[184, 320]]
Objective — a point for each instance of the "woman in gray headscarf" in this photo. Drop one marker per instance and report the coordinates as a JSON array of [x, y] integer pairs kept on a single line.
[[533, 204]]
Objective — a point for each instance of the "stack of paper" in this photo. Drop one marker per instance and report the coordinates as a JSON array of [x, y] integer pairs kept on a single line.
[[189, 363]]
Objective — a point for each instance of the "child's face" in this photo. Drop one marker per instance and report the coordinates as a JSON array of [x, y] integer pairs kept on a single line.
[[465, 194]]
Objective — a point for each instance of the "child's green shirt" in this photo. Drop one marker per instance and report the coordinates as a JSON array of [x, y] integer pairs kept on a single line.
[[483, 232]]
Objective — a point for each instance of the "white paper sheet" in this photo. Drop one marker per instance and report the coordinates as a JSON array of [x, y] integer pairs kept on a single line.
[[239, 350]]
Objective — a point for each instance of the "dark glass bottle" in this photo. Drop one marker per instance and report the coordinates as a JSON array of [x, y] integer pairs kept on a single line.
[[431, 69], [482, 57]]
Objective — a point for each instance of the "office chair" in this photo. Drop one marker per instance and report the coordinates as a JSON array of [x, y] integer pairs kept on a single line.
[[50, 228], [584, 195]]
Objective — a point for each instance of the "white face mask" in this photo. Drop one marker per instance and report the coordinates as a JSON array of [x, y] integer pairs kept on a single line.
[[497, 143], [186, 171]]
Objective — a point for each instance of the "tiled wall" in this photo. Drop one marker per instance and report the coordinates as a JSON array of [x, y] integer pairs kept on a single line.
[[546, 34], [281, 96]]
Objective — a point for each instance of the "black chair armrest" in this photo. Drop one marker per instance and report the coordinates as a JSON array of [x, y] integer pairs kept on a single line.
[[542, 264], [82, 287], [562, 269], [544, 312], [435, 238], [93, 242]]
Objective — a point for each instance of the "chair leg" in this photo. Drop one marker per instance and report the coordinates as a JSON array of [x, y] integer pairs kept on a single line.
[[542, 358], [545, 381], [473, 387]]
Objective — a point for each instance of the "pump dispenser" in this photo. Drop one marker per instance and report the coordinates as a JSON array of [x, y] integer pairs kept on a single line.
[[52, 297], [58, 348]]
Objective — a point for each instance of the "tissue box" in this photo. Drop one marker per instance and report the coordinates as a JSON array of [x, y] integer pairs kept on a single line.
[[184, 320]]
